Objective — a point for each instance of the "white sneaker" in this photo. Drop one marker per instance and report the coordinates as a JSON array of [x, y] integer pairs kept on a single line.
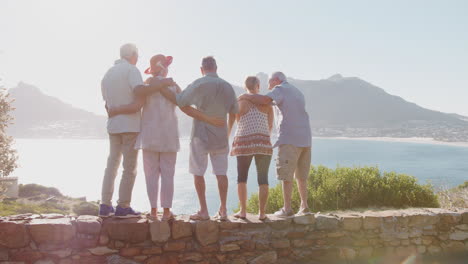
[[283, 213], [305, 211]]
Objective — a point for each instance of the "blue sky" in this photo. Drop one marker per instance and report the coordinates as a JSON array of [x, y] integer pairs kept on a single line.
[[414, 49]]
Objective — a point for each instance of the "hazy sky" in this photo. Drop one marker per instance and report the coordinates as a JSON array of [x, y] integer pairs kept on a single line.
[[416, 49]]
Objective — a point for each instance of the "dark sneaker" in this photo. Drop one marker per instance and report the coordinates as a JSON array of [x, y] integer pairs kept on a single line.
[[105, 210], [121, 212]]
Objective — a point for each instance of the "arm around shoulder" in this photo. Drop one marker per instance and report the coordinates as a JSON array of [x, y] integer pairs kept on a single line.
[[256, 99]]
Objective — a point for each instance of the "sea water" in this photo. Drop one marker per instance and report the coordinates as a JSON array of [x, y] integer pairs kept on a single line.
[[76, 167]]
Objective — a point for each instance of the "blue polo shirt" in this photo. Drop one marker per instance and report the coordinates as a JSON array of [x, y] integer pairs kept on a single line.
[[214, 97], [294, 127]]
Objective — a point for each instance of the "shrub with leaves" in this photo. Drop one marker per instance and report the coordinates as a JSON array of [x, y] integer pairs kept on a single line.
[[7, 153], [360, 187], [31, 190], [15, 207], [86, 208]]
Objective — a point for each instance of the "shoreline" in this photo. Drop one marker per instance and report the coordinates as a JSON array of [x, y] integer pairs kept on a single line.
[[416, 140]]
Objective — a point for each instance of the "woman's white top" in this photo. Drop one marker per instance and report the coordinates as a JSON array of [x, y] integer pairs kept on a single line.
[[159, 124]]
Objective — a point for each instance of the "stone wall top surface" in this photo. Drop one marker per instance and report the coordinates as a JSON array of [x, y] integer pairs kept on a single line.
[[344, 235]]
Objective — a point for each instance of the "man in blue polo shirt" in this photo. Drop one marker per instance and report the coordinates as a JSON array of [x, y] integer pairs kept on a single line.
[[294, 141]]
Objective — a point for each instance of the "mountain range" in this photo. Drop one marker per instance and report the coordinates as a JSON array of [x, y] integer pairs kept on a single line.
[[337, 106], [38, 115]]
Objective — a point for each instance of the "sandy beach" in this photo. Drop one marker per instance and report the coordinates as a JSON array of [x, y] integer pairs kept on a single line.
[[417, 140]]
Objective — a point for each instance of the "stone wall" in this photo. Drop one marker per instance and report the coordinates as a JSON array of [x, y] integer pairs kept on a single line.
[[320, 238]]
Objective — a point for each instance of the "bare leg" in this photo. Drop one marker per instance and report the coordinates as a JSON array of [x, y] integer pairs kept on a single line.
[[262, 198], [242, 193], [200, 187], [287, 195], [154, 212], [302, 187], [223, 189], [167, 214]]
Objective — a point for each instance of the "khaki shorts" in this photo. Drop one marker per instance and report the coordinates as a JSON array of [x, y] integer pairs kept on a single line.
[[199, 159], [293, 162]]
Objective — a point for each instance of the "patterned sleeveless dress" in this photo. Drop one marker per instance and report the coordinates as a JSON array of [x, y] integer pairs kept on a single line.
[[253, 134]]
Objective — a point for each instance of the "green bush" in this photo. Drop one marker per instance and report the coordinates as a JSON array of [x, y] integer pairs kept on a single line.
[[30, 190], [14, 207], [86, 208], [359, 187], [463, 186], [8, 155]]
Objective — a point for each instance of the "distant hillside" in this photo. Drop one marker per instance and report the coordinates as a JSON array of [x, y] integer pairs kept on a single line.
[[338, 106], [41, 116], [352, 102]]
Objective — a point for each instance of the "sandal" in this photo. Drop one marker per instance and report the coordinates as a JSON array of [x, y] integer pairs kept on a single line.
[[152, 217], [239, 216], [170, 217], [197, 217], [220, 217]]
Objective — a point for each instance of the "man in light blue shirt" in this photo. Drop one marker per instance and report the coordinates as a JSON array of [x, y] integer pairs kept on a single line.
[[216, 98], [118, 88], [294, 141]]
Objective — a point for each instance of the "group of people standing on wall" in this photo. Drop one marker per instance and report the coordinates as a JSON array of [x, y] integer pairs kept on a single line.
[[142, 115]]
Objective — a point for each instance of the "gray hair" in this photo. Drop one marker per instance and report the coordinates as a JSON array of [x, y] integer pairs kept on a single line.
[[279, 75], [209, 63], [128, 50]]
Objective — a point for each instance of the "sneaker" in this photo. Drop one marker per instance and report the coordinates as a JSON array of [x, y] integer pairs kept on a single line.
[[283, 213], [121, 212], [304, 211], [106, 210]]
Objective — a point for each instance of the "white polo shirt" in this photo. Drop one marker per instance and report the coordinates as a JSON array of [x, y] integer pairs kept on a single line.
[[117, 89]]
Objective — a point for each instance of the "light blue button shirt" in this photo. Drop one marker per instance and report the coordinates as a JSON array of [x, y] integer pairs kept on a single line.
[[214, 97], [117, 89], [294, 126]]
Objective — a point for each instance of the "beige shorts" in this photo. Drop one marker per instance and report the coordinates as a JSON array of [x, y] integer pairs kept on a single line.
[[293, 162], [199, 159]]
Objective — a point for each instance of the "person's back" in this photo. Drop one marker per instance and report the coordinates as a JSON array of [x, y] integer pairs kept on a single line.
[[117, 89], [159, 130], [293, 122], [252, 136], [294, 141], [214, 97]]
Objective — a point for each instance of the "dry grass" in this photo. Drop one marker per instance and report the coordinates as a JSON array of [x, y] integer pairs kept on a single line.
[[454, 197]]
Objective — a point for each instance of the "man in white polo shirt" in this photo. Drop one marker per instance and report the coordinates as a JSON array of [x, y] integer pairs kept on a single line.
[[118, 87]]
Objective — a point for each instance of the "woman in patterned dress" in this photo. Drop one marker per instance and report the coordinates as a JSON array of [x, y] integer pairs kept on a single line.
[[252, 140]]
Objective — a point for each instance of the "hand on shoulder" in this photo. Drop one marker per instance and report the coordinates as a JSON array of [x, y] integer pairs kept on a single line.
[[148, 80]]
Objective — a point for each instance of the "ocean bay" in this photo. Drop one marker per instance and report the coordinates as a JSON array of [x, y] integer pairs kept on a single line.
[[76, 166]]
